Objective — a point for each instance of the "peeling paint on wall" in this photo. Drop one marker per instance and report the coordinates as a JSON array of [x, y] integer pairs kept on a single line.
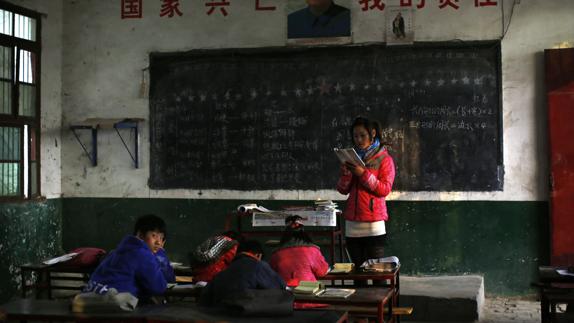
[[29, 232]]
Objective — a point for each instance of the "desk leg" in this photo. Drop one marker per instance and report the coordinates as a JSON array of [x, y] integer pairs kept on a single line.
[[341, 248], [381, 313], [544, 309], [23, 283], [49, 282], [332, 248], [397, 293]]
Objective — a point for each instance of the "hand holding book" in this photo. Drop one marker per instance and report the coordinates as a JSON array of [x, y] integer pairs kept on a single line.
[[348, 155]]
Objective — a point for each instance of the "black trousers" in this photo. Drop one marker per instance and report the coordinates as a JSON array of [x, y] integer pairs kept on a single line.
[[363, 248]]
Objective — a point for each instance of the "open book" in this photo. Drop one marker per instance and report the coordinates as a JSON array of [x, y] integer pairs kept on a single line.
[[63, 258], [348, 155]]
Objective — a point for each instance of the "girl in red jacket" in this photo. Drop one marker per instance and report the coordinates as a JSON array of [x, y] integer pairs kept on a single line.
[[297, 258], [366, 211]]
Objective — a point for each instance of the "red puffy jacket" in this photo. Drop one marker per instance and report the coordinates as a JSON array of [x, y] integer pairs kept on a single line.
[[206, 273], [303, 262], [366, 201]]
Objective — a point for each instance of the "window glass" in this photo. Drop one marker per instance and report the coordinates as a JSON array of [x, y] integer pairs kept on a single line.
[[6, 22], [25, 27]]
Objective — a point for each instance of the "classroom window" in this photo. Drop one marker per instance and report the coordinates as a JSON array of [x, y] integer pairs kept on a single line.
[[19, 102]]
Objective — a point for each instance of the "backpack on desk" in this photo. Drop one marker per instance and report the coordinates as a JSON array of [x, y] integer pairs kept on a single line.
[[86, 257]]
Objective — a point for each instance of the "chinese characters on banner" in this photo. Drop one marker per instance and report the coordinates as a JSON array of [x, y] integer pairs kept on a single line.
[[169, 8], [133, 9]]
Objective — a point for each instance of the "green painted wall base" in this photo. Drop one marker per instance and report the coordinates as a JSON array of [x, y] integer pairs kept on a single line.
[[29, 232], [504, 241]]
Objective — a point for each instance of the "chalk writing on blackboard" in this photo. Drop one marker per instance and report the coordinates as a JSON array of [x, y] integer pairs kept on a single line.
[[269, 119]]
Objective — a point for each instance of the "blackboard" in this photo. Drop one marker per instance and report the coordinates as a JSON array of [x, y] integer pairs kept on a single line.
[[269, 119]]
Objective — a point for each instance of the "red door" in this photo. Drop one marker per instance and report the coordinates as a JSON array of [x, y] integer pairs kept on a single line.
[[560, 95]]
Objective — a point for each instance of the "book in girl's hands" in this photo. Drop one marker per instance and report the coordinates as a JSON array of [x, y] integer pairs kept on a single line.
[[348, 155]]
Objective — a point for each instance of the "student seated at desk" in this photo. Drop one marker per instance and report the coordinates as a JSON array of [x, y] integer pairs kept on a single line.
[[246, 272], [137, 269], [297, 258], [214, 255]]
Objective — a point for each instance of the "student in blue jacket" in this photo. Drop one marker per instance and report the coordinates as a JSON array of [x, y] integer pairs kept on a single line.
[[138, 266]]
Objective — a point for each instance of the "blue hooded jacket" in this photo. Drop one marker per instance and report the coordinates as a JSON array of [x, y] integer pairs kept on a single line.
[[132, 267]]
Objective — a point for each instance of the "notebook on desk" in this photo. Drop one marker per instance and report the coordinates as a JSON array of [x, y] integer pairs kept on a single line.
[[336, 292], [342, 268], [309, 288]]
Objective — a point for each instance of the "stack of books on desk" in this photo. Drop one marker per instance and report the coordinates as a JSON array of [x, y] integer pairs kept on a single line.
[[387, 264], [309, 288], [325, 205]]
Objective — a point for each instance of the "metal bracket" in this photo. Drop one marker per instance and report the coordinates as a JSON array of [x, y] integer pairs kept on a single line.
[[133, 125], [93, 156], [96, 124]]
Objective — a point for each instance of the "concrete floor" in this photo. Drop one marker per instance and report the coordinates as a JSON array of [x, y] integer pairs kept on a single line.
[[507, 310]]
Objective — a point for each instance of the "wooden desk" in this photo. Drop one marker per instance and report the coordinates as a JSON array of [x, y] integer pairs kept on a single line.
[[46, 276], [554, 289], [56, 310], [376, 297], [51, 310], [392, 276], [333, 233]]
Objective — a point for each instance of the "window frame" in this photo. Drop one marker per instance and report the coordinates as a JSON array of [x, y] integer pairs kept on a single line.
[[13, 119]]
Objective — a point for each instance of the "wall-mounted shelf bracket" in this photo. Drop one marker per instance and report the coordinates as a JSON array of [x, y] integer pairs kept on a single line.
[[94, 124]]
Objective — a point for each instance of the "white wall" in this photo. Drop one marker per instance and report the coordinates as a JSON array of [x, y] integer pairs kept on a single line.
[[51, 92], [104, 56]]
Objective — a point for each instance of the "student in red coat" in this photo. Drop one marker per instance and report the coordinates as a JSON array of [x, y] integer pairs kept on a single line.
[[297, 258], [366, 209]]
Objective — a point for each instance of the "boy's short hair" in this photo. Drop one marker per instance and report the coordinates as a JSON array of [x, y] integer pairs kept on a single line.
[[150, 222], [252, 246]]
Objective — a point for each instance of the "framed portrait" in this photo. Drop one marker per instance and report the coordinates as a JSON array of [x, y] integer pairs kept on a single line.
[[399, 27], [318, 21]]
